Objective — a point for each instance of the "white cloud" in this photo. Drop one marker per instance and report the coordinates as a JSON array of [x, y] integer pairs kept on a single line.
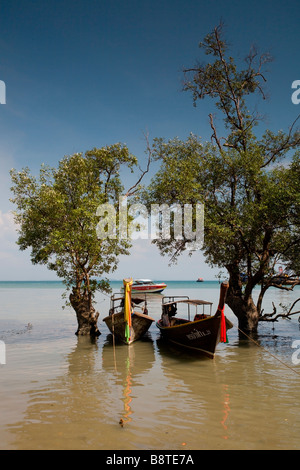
[[16, 264], [8, 230]]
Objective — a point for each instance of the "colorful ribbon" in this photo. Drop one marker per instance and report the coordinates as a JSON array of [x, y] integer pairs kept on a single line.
[[127, 308], [223, 333]]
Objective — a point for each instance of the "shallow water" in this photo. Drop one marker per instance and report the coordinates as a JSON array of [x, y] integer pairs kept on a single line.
[[63, 392]]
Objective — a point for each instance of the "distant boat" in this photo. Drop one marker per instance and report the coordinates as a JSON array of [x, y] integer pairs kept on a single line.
[[146, 286], [124, 321], [203, 332], [200, 279]]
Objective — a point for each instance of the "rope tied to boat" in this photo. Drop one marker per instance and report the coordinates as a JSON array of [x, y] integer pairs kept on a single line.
[[267, 351]]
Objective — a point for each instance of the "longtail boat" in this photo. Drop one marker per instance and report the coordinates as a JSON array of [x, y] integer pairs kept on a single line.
[[200, 331], [124, 321]]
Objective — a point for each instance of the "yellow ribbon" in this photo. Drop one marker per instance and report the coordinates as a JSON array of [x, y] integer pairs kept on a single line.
[[127, 305]]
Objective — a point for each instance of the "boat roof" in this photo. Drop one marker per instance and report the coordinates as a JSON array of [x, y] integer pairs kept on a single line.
[[189, 301], [135, 298]]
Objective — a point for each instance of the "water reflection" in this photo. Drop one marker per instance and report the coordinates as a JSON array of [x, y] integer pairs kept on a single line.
[[63, 392], [82, 407], [130, 363], [127, 397], [226, 410], [201, 394], [162, 397]]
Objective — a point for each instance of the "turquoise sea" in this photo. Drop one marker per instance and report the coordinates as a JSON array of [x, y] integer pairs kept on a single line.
[[63, 392]]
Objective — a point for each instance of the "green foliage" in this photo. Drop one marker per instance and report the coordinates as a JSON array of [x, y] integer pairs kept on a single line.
[[250, 186], [56, 213], [291, 253], [248, 208]]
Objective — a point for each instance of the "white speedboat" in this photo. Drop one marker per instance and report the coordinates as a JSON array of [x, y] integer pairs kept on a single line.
[[146, 286]]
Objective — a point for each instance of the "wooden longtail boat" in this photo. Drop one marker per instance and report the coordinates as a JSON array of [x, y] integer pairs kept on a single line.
[[124, 321], [203, 332]]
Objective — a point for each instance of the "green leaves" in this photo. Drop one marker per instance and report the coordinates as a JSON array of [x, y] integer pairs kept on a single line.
[[251, 212], [56, 213], [229, 87], [248, 185]]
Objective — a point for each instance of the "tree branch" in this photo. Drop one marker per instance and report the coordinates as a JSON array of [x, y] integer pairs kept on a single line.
[[269, 317], [285, 145], [135, 188]]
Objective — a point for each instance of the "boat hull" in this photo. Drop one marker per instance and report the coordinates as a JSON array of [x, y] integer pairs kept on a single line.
[[148, 290], [201, 335], [140, 324], [144, 289]]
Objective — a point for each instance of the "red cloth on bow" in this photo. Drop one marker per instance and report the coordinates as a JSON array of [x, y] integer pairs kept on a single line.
[[223, 335]]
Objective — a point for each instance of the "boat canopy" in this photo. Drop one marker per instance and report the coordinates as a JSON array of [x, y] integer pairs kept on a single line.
[[188, 301], [170, 303], [134, 298]]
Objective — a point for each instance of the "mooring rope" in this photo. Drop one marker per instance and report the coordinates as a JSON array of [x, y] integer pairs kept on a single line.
[[260, 346]]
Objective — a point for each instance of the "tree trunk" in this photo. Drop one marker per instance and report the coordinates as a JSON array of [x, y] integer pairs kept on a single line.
[[241, 303], [245, 310], [87, 316]]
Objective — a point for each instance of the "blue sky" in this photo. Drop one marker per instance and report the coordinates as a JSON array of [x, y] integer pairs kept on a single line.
[[80, 74]]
